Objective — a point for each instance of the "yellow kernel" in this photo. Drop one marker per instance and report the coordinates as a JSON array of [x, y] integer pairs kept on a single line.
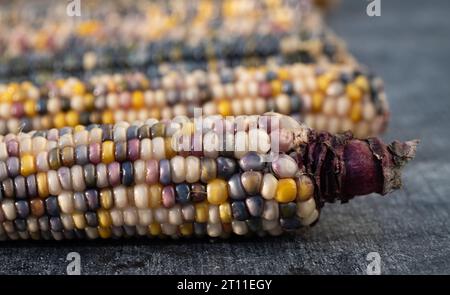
[[104, 219], [108, 117], [317, 101], [8, 95], [59, 120], [224, 108], [286, 190], [30, 108], [106, 199], [72, 118], [42, 184], [41, 40], [154, 229], [88, 27], [356, 112], [283, 74], [170, 152], [79, 220], [27, 165], [46, 122], [89, 101], [201, 212], [155, 113], [323, 82], [217, 191], [111, 86], [354, 93], [155, 195], [305, 188], [79, 128], [186, 229], [137, 99], [79, 88], [14, 86], [225, 212], [188, 128], [108, 152], [362, 82], [104, 232], [60, 83], [276, 87]]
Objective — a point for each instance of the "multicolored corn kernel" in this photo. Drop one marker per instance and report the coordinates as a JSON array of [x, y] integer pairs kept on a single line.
[[219, 194]]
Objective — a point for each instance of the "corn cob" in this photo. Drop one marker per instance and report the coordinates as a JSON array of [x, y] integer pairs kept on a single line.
[[332, 98], [211, 176], [206, 30]]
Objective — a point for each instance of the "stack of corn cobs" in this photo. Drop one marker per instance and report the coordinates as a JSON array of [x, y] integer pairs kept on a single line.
[[181, 119]]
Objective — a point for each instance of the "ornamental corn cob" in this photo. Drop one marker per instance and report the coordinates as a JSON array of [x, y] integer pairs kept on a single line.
[[183, 178], [332, 98], [117, 36]]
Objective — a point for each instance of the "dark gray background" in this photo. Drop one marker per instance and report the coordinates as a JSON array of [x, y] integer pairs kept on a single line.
[[409, 46]]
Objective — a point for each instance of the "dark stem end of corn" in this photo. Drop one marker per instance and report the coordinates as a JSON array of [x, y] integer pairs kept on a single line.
[[372, 166], [343, 166]]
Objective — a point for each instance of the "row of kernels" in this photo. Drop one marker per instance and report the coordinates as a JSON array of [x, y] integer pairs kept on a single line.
[[320, 121], [151, 195], [251, 86], [76, 104], [256, 137], [8, 231], [78, 203], [89, 200], [282, 103], [34, 143], [73, 118], [361, 129], [24, 178], [262, 82], [31, 154], [256, 219], [285, 104], [297, 53]]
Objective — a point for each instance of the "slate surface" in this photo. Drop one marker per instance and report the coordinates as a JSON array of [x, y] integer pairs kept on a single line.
[[408, 45]]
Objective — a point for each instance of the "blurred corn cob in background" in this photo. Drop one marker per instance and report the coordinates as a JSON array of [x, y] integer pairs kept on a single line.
[[204, 53], [332, 98], [38, 37]]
